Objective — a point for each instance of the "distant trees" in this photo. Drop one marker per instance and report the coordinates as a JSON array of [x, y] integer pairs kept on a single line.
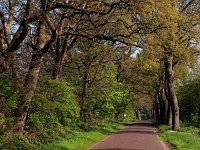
[[167, 39]]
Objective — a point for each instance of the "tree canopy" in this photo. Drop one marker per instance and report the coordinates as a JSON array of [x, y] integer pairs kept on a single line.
[[67, 64]]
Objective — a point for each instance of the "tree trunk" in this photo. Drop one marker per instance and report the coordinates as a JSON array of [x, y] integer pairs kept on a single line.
[[84, 92], [61, 48], [57, 70], [3, 65], [172, 94], [157, 111], [12, 60], [29, 88], [162, 106], [32, 77], [169, 110], [153, 111], [198, 121], [169, 115]]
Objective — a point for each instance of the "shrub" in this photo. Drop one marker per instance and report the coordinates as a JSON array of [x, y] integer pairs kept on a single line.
[[54, 109], [8, 94], [188, 94], [20, 142]]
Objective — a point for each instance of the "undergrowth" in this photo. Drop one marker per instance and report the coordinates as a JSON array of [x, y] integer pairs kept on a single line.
[[187, 138]]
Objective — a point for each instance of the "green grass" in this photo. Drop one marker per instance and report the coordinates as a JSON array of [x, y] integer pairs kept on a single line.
[[81, 140], [186, 139]]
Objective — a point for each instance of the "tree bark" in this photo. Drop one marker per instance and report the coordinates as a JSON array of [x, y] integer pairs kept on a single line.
[[56, 74], [157, 110], [3, 65], [169, 110], [162, 106], [172, 94], [31, 79], [29, 87], [14, 69], [169, 115], [58, 59]]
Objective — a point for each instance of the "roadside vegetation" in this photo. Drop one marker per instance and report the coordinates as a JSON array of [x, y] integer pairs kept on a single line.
[[82, 140], [188, 138], [54, 116]]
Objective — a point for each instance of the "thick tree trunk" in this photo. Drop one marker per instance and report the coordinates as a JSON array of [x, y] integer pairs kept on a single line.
[[172, 93], [29, 88], [32, 77], [169, 115]]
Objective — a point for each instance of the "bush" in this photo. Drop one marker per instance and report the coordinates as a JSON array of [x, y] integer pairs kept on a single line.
[[54, 109], [8, 95], [185, 139], [109, 103], [20, 142], [189, 94], [8, 102]]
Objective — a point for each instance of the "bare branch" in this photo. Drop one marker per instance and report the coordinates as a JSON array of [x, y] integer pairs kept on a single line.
[[188, 5]]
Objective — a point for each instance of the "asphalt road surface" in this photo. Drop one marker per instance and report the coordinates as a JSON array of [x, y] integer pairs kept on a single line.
[[136, 136]]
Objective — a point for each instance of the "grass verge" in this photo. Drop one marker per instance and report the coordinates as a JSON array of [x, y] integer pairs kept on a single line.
[[187, 138], [81, 140]]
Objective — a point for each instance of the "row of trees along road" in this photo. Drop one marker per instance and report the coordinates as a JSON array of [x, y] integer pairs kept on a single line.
[[90, 45]]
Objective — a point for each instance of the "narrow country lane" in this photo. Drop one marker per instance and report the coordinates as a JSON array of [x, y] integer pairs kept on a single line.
[[136, 136]]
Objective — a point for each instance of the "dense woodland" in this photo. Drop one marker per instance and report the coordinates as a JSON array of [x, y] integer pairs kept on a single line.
[[67, 64]]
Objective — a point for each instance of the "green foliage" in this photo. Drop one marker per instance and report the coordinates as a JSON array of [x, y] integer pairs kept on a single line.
[[2, 122], [121, 97], [110, 103], [109, 100], [189, 94], [83, 140], [2, 119], [130, 114], [54, 109], [8, 94], [8, 102], [20, 142], [185, 139]]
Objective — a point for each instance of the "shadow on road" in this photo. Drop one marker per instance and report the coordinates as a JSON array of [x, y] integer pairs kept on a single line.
[[136, 131], [144, 124]]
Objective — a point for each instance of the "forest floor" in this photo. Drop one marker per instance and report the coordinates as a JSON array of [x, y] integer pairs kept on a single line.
[[139, 135]]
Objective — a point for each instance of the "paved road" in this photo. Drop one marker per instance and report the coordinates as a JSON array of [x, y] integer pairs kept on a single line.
[[135, 136]]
